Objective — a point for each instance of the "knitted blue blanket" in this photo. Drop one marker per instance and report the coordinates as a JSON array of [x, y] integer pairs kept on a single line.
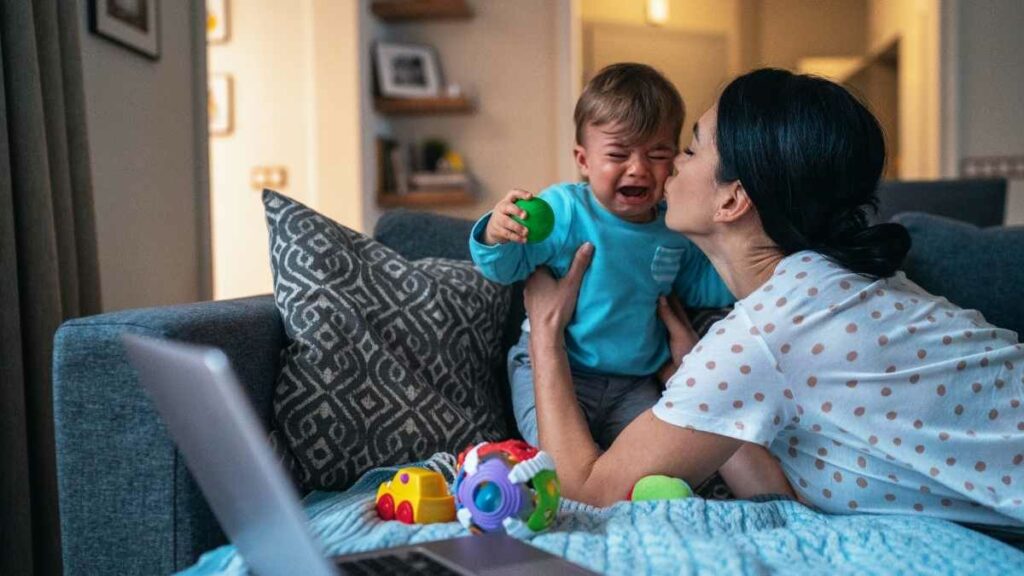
[[692, 536]]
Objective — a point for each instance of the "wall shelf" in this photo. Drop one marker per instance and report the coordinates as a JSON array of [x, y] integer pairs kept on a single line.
[[426, 199], [408, 10], [388, 167], [412, 106]]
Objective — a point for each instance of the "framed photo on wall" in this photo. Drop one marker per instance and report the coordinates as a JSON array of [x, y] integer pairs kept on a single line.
[[220, 104], [407, 70], [134, 24], [218, 21]]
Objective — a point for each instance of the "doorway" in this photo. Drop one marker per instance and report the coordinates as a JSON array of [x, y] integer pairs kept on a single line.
[[698, 79]]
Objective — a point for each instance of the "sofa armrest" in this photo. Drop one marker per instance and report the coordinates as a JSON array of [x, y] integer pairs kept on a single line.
[[127, 503]]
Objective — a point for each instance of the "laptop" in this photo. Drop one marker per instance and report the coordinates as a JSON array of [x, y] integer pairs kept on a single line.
[[225, 447]]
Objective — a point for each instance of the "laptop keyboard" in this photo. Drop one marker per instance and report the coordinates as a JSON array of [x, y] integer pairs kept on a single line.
[[402, 563]]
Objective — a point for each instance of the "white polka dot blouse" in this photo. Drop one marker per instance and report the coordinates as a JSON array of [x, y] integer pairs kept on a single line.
[[874, 395]]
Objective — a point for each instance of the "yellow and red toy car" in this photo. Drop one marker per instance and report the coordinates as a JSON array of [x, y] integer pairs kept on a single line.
[[415, 496]]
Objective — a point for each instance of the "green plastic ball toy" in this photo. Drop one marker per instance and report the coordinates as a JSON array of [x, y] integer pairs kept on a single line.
[[660, 487], [539, 221]]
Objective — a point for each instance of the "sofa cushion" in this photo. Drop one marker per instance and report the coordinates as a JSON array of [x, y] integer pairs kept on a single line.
[[418, 235], [976, 268], [415, 234], [390, 360]]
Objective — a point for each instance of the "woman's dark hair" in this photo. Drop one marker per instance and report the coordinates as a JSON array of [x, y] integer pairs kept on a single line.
[[809, 155]]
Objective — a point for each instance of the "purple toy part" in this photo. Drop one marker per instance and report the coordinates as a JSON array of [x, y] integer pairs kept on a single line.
[[405, 478], [495, 471]]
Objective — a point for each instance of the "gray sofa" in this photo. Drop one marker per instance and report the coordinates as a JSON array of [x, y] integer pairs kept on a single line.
[[129, 506]]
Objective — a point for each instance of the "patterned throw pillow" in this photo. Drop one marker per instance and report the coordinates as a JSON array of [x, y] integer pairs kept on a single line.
[[389, 362]]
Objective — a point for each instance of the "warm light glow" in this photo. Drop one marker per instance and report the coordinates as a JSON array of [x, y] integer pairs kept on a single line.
[[657, 12]]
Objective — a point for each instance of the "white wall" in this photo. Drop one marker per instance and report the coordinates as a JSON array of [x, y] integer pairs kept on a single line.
[[757, 33], [916, 26], [795, 29], [142, 144], [336, 119], [707, 16], [269, 57], [697, 63], [297, 97], [506, 57], [991, 88]]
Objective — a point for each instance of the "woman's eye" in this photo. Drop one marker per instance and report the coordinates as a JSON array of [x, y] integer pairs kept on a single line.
[[687, 151]]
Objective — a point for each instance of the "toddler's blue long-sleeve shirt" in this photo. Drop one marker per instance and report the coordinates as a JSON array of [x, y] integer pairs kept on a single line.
[[616, 329]]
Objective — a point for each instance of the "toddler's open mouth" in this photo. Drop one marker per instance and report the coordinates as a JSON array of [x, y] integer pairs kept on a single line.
[[634, 194]]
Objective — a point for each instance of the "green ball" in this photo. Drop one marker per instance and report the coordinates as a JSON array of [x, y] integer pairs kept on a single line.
[[539, 221], [660, 487]]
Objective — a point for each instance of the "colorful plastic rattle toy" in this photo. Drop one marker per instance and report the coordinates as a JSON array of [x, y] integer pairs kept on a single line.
[[539, 221], [505, 481], [415, 496], [660, 487]]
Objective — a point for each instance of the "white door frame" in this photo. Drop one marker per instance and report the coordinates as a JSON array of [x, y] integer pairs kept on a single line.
[[569, 83], [201, 141], [949, 82]]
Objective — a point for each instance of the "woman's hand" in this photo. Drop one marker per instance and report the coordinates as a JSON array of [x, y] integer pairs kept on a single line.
[[551, 303], [681, 335], [585, 473]]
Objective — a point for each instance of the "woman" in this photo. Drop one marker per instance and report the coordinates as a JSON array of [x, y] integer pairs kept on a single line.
[[873, 395]]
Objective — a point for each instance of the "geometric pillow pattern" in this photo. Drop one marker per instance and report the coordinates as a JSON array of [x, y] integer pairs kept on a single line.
[[389, 360]]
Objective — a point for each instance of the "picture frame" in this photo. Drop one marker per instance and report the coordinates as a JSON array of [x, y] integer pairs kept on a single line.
[[134, 24], [220, 104], [407, 70], [218, 21]]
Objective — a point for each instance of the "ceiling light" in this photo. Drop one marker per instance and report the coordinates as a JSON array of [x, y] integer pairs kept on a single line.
[[657, 12]]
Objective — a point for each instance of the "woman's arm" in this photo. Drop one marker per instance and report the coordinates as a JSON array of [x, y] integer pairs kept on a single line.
[[753, 471], [647, 446]]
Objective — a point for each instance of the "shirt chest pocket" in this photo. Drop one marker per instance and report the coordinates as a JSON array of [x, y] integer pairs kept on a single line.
[[665, 267]]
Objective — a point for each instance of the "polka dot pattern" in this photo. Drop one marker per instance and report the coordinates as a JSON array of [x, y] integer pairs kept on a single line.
[[877, 395]]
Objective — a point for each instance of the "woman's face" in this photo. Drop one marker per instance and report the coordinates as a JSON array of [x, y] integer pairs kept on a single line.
[[690, 192]]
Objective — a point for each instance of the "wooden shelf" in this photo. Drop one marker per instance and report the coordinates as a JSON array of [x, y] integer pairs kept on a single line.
[[396, 11], [406, 10], [410, 106], [424, 199]]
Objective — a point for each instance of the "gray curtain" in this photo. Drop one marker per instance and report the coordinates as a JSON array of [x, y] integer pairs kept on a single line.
[[48, 265]]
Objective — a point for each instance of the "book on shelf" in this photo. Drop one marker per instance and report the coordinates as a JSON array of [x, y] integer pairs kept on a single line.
[[428, 180], [400, 170]]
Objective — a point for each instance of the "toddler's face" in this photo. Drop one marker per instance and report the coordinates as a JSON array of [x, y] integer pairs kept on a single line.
[[626, 178]]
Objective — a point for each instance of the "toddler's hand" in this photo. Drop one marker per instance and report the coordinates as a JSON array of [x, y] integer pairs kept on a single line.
[[501, 228]]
